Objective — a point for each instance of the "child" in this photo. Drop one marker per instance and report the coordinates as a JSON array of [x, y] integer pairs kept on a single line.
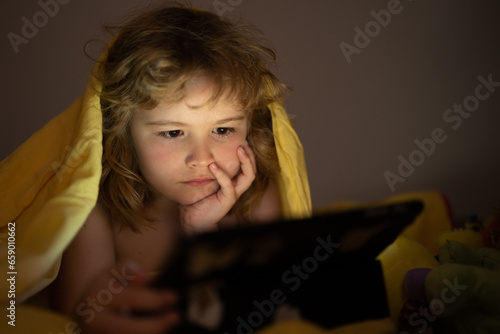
[[187, 147]]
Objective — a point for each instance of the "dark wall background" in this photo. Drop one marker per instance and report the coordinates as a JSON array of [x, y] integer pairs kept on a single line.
[[355, 118]]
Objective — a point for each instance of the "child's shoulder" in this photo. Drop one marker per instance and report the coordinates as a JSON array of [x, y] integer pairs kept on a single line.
[[269, 208], [97, 229], [99, 216]]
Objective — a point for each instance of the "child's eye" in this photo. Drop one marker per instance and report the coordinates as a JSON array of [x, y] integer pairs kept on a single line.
[[171, 134], [223, 132]]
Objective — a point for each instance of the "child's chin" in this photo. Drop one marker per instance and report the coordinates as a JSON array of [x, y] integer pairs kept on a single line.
[[199, 196]]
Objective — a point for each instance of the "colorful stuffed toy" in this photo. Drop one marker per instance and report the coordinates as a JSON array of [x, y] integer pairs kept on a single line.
[[462, 294]]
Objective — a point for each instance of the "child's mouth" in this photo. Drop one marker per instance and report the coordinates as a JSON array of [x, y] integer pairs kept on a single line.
[[199, 182]]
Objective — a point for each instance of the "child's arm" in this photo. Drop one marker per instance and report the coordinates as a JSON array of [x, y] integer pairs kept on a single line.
[[90, 253], [102, 295]]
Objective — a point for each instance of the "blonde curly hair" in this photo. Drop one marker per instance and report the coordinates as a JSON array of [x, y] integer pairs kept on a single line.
[[152, 58]]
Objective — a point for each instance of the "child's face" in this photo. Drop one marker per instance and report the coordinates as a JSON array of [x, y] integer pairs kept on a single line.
[[175, 143]]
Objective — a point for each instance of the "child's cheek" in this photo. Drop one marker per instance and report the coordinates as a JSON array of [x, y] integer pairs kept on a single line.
[[159, 155], [162, 163], [228, 160]]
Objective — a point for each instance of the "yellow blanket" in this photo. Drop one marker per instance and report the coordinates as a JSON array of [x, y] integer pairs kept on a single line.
[[49, 186]]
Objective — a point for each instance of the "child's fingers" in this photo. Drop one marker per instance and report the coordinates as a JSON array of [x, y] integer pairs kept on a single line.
[[144, 299], [132, 307], [107, 322], [128, 288], [247, 153], [230, 189], [248, 170], [226, 192]]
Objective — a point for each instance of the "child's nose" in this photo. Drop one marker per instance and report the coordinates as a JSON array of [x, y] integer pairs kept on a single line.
[[199, 154]]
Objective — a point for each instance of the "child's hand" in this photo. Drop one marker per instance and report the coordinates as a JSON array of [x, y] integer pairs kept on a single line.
[[206, 213], [122, 302]]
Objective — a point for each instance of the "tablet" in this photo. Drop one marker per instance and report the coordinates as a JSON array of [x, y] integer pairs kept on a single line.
[[240, 279]]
